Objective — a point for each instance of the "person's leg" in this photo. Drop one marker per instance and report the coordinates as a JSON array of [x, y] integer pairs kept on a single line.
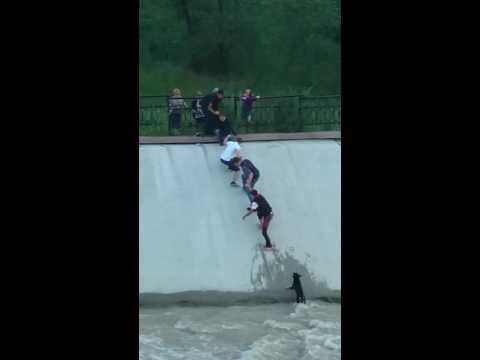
[[244, 115], [265, 222], [254, 181], [198, 123], [174, 122], [170, 122], [227, 163], [221, 136], [236, 172], [229, 128], [250, 196], [236, 175], [209, 125], [177, 121]]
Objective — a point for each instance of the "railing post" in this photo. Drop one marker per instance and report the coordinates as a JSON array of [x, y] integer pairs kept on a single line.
[[235, 108], [299, 113], [168, 117]]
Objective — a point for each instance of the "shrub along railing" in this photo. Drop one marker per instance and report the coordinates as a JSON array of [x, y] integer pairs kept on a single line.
[[293, 113]]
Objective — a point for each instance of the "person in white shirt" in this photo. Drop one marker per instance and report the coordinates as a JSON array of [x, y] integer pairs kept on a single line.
[[231, 155]]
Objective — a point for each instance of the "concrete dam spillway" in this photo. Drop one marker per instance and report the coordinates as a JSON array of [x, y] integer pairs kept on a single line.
[[192, 237]]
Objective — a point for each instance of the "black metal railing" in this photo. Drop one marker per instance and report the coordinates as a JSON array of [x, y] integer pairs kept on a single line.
[[293, 113]]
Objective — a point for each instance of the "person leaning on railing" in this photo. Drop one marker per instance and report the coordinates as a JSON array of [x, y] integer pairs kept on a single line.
[[197, 113], [248, 98], [176, 104]]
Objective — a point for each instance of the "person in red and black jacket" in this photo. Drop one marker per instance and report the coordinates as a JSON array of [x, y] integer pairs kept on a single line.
[[264, 213]]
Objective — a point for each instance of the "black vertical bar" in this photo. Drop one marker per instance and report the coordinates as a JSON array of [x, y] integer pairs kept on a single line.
[[299, 113], [168, 117], [235, 109]]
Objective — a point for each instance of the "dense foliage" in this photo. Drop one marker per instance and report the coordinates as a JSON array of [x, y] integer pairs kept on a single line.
[[272, 46]]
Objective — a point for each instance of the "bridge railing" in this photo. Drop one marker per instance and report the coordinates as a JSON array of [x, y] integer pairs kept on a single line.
[[294, 113]]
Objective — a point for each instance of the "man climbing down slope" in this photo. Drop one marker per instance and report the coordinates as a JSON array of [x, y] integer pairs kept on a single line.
[[229, 156], [224, 128], [250, 175], [264, 214]]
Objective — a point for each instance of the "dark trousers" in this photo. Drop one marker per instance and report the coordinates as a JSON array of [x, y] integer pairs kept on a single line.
[[174, 119], [211, 123], [265, 223], [199, 123], [224, 129]]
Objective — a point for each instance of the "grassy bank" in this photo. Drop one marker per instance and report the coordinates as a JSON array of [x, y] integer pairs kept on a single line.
[[162, 78]]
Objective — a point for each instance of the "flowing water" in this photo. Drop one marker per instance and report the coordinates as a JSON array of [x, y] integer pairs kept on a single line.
[[279, 331]]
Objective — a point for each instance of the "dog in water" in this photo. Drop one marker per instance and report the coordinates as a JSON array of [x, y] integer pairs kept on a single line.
[[297, 286]]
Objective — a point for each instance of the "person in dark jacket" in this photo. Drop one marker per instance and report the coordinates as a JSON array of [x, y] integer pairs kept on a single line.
[[264, 214], [297, 286], [224, 128], [250, 175]]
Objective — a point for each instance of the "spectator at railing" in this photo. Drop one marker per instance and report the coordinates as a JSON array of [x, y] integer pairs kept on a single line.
[[248, 99], [197, 113], [176, 104]]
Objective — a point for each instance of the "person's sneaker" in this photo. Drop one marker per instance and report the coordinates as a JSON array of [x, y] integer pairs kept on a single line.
[[233, 183]]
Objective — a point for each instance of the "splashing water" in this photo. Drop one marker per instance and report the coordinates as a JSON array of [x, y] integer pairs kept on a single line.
[[280, 331]]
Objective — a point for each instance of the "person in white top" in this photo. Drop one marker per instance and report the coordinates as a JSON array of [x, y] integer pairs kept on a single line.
[[231, 155]]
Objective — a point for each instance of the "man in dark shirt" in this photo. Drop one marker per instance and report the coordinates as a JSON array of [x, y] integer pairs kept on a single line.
[[209, 106], [250, 175], [264, 214]]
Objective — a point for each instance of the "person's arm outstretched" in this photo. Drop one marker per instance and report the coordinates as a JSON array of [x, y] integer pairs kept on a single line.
[[250, 211], [226, 139]]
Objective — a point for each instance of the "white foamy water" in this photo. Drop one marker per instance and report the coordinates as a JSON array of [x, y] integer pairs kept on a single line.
[[259, 332]]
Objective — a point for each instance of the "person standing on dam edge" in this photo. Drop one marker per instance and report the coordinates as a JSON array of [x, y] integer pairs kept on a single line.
[[248, 98], [229, 156], [264, 214], [210, 104], [297, 286], [176, 105]]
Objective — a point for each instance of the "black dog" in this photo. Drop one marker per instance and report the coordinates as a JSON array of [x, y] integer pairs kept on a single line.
[[297, 286]]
